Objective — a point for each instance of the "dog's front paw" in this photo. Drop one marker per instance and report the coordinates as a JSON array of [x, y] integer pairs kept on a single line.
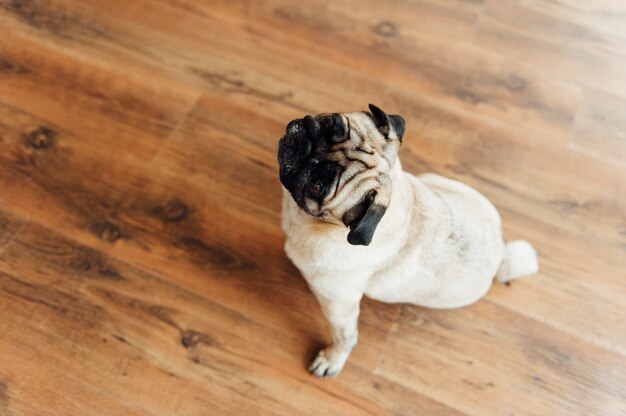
[[328, 363]]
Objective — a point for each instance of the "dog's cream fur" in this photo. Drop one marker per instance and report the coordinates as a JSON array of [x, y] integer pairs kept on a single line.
[[439, 245]]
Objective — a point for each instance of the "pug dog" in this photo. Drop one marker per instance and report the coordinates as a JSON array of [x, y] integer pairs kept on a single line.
[[356, 224]]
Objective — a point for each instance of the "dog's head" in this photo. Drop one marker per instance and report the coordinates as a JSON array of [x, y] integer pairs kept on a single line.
[[336, 167]]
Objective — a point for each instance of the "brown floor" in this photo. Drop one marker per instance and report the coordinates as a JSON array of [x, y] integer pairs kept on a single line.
[[141, 262]]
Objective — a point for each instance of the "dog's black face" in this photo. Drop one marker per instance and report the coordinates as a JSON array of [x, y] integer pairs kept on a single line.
[[336, 167], [305, 170]]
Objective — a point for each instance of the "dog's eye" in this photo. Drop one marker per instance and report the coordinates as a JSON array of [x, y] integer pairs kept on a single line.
[[316, 187]]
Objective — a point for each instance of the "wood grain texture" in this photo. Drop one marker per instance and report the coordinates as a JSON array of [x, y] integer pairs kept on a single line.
[[600, 127], [560, 40], [142, 269]]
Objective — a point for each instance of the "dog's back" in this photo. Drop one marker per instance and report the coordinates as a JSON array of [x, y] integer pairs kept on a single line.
[[477, 220]]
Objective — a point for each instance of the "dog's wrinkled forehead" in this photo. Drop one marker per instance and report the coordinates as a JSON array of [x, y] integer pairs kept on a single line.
[[363, 126], [364, 141]]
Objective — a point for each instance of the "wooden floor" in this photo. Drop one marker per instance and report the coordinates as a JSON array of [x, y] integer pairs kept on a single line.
[[142, 269]]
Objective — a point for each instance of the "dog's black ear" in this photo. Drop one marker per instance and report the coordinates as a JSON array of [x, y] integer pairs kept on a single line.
[[380, 119], [363, 219], [398, 125]]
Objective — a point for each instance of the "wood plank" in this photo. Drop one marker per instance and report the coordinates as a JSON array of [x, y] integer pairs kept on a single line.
[[31, 386], [560, 44], [134, 111], [245, 152], [600, 128], [218, 51], [84, 301], [9, 226], [516, 170], [485, 359], [464, 77], [97, 356], [147, 45], [452, 20], [604, 16], [573, 270]]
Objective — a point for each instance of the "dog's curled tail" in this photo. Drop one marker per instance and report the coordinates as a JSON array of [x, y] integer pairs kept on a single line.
[[520, 259]]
